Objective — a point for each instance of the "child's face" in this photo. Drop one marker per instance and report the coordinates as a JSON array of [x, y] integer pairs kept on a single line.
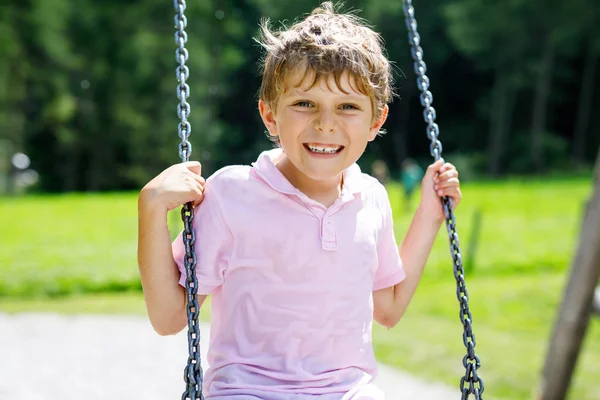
[[323, 130]]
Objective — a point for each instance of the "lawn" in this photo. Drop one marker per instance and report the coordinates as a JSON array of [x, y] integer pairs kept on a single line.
[[84, 246]]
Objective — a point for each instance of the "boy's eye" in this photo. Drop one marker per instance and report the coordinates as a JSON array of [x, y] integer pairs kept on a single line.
[[303, 104], [349, 107]]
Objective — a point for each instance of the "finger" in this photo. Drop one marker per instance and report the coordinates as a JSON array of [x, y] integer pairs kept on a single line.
[[447, 167], [194, 181], [199, 180], [189, 174], [454, 193], [195, 178], [199, 183], [198, 196], [452, 182], [455, 201], [447, 175], [193, 166], [433, 169]]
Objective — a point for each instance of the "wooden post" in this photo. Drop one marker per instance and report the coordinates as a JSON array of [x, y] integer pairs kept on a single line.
[[574, 314]]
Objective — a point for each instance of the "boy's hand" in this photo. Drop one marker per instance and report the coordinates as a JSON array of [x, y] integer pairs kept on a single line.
[[441, 179], [175, 186]]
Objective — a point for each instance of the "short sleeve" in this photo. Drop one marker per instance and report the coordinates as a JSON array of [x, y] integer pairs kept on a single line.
[[389, 265], [213, 244]]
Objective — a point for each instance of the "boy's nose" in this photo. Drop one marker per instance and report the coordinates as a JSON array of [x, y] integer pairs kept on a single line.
[[326, 122]]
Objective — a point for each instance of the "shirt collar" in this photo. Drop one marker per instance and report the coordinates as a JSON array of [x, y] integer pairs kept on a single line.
[[354, 180]]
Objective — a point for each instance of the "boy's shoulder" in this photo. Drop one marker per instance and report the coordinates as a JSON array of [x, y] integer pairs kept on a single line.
[[365, 184], [231, 172], [230, 175], [229, 185], [377, 192], [373, 193]]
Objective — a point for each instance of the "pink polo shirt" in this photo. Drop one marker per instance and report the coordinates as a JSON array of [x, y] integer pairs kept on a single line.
[[291, 284]]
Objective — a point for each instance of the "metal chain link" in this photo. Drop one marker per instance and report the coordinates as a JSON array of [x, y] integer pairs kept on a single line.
[[471, 383], [193, 371]]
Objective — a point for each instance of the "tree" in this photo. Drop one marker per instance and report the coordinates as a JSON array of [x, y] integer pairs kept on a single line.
[[406, 111], [591, 36], [552, 26], [495, 36]]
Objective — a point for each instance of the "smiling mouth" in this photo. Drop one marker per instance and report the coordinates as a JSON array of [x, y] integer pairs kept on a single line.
[[323, 149]]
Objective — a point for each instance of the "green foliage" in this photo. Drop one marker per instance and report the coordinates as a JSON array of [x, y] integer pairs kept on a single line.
[[89, 91], [555, 147]]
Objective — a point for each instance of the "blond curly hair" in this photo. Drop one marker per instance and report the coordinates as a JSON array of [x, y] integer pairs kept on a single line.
[[326, 42]]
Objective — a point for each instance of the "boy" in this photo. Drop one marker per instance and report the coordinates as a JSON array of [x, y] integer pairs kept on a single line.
[[298, 250]]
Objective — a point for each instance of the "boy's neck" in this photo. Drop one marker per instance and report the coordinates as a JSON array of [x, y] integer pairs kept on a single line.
[[325, 192]]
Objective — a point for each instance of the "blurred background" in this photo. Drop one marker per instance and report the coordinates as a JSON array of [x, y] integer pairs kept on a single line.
[[88, 116]]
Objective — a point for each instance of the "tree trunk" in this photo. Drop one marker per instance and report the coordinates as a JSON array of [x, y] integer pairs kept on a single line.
[[575, 310], [100, 165], [69, 169], [540, 105], [101, 157], [500, 119], [586, 99], [400, 136]]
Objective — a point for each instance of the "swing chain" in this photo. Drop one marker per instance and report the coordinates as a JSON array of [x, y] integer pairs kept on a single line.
[[471, 383], [193, 370], [183, 90]]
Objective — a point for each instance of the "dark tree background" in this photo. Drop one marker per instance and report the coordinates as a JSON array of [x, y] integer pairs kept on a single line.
[[87, 88]]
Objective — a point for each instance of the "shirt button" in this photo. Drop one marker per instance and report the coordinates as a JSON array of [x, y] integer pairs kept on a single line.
[[329, 245]]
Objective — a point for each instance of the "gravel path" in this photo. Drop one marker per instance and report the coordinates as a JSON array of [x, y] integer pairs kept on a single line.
[[57, 357]]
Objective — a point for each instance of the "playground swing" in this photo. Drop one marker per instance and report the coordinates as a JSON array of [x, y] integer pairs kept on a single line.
[[471, 383]]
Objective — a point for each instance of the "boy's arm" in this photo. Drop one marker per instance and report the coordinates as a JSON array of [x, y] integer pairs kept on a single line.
[[391, 303], [440, 179], [165, 298]]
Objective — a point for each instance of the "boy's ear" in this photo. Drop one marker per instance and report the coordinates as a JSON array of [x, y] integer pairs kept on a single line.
[[376, 127], [268, 116]]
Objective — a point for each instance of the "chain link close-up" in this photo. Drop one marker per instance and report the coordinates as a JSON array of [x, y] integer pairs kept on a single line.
[[193, 370], [471, 383]]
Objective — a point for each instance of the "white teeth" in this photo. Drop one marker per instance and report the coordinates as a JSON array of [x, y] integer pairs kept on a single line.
[[324, 150]]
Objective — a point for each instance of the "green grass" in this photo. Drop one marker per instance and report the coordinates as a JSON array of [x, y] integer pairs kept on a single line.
[[80, 244], [527, 226], [77, 243], [55, 245]]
